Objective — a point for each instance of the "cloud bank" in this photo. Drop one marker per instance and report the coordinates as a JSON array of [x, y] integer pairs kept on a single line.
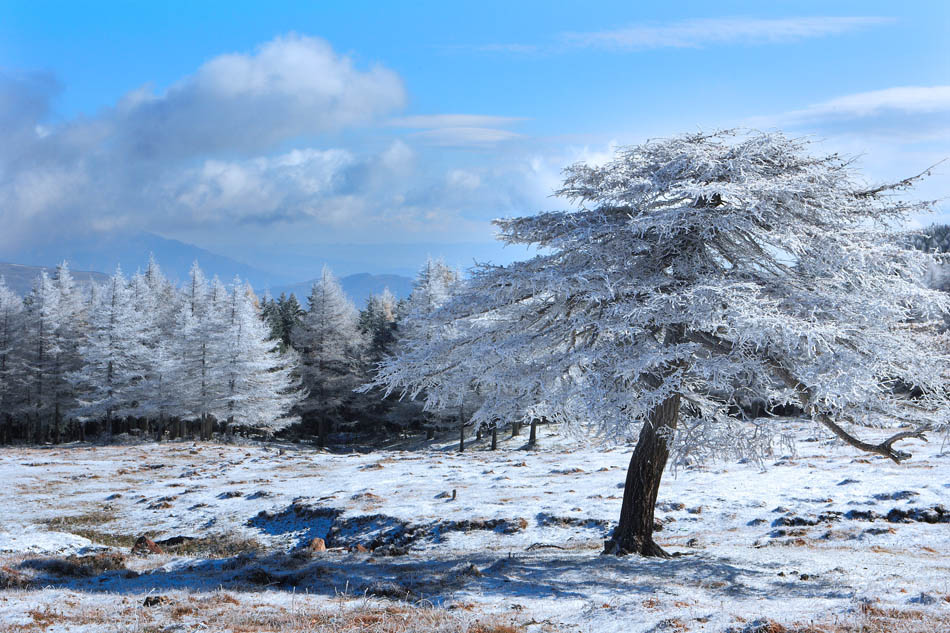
[[292, 134]]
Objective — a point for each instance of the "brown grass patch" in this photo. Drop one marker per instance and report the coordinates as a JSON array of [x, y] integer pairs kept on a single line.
[[83, 566], [13, 579], [871, 618], [217, 546], [224, 614]]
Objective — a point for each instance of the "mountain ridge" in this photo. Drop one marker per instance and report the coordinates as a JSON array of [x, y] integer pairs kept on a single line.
[[358, 286]]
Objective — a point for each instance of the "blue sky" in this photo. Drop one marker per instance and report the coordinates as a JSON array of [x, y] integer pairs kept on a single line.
[[264, 131]]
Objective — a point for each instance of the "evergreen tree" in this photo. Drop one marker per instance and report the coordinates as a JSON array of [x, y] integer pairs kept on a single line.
[[11, 370], [379, 322], [199, 380], [116, 360], [259, 387], [290, 316], [328, 341], [693, 265]]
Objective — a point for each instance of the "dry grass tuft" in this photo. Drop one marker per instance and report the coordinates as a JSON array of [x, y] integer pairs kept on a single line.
[[82, 566], [13, 579], [223, 613], [872, 619], [217, 546]]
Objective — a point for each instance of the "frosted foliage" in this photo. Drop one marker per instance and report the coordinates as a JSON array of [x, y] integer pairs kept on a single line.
[[328, 331], [433, 287], [259, 389], [328, 340], [116, 358], [11, 324], [714, 267]]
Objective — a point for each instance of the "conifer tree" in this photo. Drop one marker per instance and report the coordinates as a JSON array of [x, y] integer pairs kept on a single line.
[[328, 341], [259, 387], [115, 358], [11, 369], [689, 270]]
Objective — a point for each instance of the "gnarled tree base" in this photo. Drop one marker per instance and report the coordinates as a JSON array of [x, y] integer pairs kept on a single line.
[[646, 547]]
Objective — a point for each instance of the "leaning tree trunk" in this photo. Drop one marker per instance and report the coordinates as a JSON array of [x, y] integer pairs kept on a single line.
[[634, 533]]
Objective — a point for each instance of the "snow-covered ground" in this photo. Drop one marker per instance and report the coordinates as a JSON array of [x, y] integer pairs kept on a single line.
[[512, 535]]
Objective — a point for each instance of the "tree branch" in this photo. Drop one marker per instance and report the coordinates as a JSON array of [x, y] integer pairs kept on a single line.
[[902, 184], [885, 448]]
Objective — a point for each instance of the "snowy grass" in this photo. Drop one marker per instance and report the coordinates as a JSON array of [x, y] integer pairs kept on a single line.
[[825, 541]]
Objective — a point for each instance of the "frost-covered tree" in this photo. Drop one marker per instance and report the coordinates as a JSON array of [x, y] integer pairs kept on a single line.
[[199, 380], [11, 370], [935, 239], [328, 341], [433, 286], [690, 268], [378, 322], [54, 329], [259, 389], [116, 360]]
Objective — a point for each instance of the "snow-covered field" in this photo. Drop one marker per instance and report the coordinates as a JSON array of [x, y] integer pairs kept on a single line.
[[481, 541]]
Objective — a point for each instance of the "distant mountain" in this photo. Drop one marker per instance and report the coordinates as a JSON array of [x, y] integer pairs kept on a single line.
[[20, 278], [131, 252], [358, 287]]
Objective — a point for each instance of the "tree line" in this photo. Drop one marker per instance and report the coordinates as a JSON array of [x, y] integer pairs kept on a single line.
[[141, 354]]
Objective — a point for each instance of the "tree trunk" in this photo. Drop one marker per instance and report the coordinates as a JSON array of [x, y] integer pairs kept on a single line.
[[322, 431], [634, 532], [494, 436], [533, 435], [515, 429]]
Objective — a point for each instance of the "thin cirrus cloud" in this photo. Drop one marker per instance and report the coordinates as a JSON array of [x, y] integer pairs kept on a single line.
[[699, 33], [458, 130], [906, 99], [903, 114], [452, 120]]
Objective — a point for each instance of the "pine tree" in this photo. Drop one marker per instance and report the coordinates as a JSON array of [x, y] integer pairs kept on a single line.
[[379, 322], [688, 267], [116, 360], [11, 370], [259, 390], [199, 378], [290, 315], [328, 341]]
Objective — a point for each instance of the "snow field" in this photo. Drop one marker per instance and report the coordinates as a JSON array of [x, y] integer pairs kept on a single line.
[[794, 542]]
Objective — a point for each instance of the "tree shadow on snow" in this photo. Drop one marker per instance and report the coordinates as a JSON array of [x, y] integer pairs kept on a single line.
[[439, 579]]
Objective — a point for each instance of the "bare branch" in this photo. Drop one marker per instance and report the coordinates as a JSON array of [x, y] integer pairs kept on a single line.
[[885, 448]]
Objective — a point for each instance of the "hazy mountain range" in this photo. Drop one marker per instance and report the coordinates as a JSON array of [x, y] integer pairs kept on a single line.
[[131, 252]]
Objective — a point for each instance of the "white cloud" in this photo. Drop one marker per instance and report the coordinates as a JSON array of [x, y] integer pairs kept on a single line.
[[241, 142], [199, 153], [465, 136], [903, 99], [902, 114], [290, 86], [462, 179], [709, 31], [424, 121]]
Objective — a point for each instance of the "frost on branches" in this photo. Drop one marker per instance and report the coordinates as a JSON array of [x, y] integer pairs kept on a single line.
[[692, 273]]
